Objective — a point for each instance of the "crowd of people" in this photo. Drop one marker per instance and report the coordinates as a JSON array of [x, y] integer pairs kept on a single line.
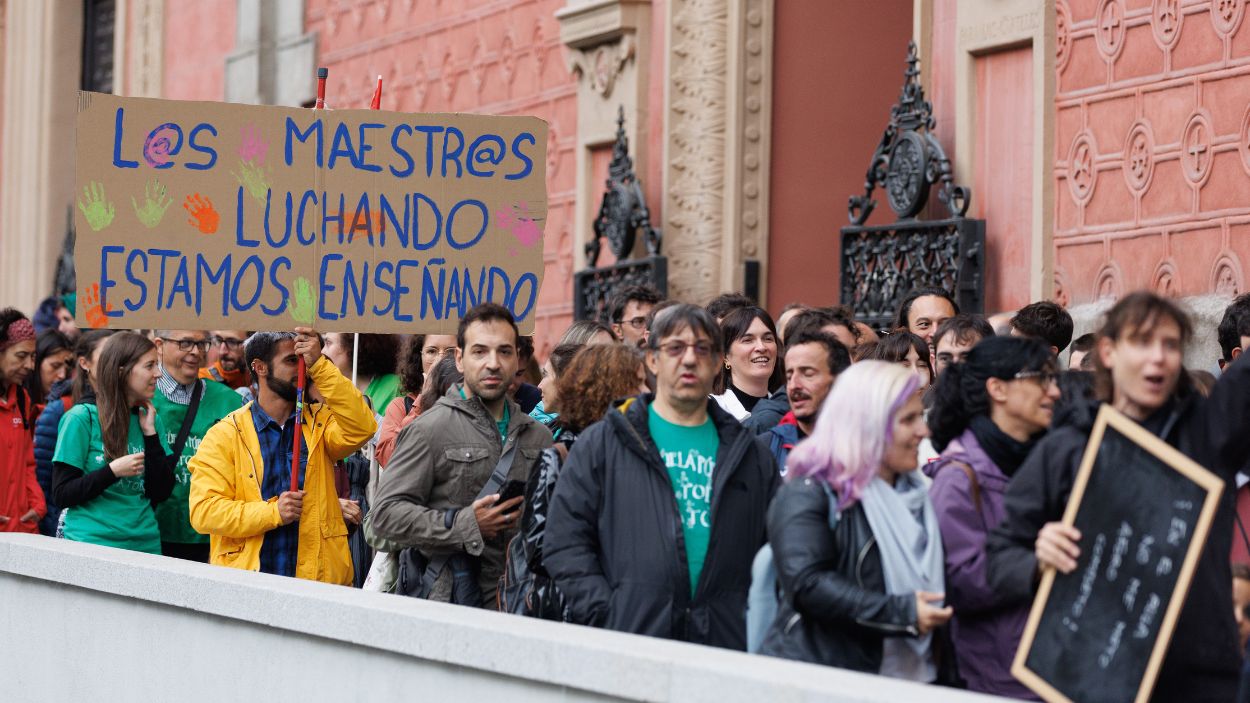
[[882, 500]]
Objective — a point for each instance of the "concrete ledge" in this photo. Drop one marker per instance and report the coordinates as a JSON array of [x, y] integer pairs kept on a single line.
[[86, 622]]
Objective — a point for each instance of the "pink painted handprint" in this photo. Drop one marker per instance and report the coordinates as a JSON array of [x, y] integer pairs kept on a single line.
[[253, 146], [521, 224]]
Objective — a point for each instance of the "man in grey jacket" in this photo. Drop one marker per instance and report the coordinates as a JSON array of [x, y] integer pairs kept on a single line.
[[428, 494]]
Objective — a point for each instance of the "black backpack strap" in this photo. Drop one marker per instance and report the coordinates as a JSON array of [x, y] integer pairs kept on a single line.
[[493, 484], [187, 421], [409, 401]]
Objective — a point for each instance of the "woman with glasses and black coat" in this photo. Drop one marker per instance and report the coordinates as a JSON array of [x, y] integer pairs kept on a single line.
[[988, 413]]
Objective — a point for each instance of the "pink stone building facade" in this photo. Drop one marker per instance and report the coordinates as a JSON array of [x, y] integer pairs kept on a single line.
[[1106, 142], [1152, 148]]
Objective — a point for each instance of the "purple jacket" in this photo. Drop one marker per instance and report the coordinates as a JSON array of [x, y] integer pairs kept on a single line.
[[985, 630]]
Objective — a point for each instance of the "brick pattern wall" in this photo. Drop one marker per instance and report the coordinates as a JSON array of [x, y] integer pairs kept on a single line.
[[1152, 162], [499, 57]]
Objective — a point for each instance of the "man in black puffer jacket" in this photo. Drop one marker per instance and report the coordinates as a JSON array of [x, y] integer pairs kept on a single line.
[[661, 506]]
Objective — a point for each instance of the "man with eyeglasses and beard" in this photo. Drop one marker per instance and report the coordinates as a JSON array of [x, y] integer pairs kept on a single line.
[[660, 507], [187, 407], [241, 476], [225, 358]]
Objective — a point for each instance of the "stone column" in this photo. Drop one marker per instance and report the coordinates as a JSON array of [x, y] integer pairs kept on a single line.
[[717, 135], [608, 42], [42, 65], [140, 52]]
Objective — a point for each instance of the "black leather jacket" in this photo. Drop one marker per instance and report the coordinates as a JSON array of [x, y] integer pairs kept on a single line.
[[834, 608]]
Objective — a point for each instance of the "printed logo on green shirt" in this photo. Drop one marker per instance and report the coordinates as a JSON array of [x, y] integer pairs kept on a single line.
[[689, 454]]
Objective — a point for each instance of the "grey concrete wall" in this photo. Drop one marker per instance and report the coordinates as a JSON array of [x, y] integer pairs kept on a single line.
[[86, 623]]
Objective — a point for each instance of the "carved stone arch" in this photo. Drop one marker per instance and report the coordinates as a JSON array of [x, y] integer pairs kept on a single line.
[[1109, 283], [1227, 275], [1166, 279]]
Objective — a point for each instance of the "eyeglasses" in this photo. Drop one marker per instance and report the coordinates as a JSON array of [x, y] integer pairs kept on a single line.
[[231, 344], [1045, 378], [186, 345], [677, 349], [434, 352], [635, 322]]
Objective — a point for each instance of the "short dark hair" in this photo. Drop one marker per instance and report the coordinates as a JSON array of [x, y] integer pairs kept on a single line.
[[815, 319], [263, 346], [965, 326], [1084, 343], [894, 347], [904, 308], [1046, 321], [726, 303], [524, 349], [1234, 325], [836, 352], [486, 312], [631, 294], [656, 309], [676, 317]]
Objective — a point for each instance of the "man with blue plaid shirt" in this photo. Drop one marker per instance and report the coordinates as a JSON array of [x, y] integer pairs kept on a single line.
[[241, 475]]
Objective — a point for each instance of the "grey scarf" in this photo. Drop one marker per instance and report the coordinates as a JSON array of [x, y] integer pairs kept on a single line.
[[905, 525]]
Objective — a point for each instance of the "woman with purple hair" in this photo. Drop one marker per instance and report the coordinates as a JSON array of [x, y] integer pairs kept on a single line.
[[855, 538]]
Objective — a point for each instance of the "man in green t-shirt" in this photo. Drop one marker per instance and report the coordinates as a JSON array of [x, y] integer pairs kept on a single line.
[[181, 353], [660, 507]]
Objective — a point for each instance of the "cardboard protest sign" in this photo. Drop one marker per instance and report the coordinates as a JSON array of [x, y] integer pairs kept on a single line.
[[1144, 510], [211, 215]]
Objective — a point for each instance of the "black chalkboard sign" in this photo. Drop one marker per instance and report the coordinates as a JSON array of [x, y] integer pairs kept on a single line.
[[1144, 510]]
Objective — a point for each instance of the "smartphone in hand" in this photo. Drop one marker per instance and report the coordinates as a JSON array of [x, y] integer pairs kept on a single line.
[[511, 490]]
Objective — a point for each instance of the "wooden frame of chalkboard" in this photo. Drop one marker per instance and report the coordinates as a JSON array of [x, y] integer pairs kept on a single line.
[[1206, 481]]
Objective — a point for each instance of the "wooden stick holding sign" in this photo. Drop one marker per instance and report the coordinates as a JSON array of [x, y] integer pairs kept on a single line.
[[301, 370], [1144, 510]]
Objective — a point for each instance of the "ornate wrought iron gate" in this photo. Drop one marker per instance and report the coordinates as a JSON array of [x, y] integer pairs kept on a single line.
[[622, 215], [882, 263]]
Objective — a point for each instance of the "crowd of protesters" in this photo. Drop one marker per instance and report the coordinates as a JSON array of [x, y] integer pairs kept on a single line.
[[882, 500]]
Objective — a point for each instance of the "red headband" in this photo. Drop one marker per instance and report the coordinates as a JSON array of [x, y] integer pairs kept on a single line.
[[20, 331]]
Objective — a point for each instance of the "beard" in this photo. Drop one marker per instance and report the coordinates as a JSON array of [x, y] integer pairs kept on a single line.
[[285, 390]]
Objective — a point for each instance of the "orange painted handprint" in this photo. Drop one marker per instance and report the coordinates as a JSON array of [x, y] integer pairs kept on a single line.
[[95, 313], [204, 216]]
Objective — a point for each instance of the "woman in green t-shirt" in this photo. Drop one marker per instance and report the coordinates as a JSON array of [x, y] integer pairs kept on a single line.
[[111, 463]]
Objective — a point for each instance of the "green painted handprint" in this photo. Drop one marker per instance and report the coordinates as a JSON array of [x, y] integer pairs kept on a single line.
[[304, 306], [98, 211], [253, 178], [155, 203]]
